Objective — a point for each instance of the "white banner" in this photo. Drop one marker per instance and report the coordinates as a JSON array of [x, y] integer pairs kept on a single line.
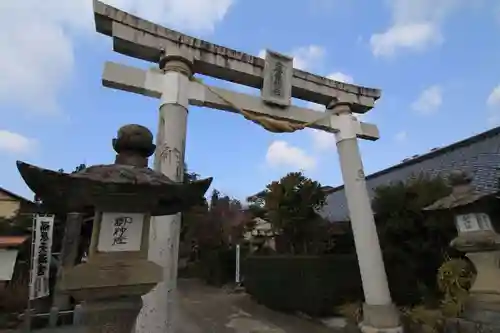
[[42, 252]]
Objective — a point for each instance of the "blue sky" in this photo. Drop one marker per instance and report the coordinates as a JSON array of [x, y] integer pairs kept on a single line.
[[436, 63]]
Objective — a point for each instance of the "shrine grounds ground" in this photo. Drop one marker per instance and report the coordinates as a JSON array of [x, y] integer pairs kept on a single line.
[[205, 309]]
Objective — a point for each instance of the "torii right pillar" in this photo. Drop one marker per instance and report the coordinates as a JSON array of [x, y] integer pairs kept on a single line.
[[379, 313]]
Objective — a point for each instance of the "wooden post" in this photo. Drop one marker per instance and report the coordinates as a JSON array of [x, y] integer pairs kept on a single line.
[[68, 256], [53, 316], [78, 315], [27, 321]]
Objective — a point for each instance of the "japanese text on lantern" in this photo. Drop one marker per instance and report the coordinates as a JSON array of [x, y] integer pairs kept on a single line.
[[467, 222], [120, 232]]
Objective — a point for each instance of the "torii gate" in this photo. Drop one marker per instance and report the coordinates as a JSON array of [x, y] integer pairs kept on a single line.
[[180, 56]]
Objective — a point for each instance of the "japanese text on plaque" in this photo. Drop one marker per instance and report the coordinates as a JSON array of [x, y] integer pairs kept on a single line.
[[120, 228]]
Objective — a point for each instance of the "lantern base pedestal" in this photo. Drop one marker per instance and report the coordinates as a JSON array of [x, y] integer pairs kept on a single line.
[[106, 279], [111, 315], [110, 292], [483, 305], [486, 286]]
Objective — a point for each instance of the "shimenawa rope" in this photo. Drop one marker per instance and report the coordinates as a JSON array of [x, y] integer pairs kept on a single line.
[[271, 124], [267, 122]]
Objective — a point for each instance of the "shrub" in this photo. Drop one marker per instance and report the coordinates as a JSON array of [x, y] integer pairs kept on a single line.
[[454, 279], [217, 266], [264, 251], [414, 242], [13, 300], [424, 320], [310, 284], [291, 205], [352, 312]]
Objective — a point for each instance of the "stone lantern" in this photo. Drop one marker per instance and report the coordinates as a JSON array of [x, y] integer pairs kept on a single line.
[[124, 196], [479, 240]]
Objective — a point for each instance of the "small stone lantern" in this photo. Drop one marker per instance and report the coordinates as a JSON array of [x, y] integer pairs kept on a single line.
[[124, 196], [479, 240]]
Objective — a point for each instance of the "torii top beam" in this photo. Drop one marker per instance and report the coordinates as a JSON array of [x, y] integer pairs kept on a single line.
[[138, 38], [149, 83]]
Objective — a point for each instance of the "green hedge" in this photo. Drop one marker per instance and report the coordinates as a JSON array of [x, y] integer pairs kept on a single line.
[[218, 266], [316, 285], [310, 284]]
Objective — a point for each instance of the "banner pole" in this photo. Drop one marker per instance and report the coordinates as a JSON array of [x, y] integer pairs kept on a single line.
[[27, 313]]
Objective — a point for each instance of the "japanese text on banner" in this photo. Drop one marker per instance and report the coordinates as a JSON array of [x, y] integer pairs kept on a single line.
[[42, 252]]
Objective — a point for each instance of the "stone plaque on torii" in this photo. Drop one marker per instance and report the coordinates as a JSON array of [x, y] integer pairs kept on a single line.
[[180, 57]]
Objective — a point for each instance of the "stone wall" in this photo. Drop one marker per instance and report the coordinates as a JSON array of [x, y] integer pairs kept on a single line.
[[465, 326]]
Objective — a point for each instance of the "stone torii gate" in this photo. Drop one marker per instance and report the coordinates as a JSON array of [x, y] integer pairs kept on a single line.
[[179, 57]]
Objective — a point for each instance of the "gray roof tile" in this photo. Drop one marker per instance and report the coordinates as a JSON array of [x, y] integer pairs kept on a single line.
[[479, 155]]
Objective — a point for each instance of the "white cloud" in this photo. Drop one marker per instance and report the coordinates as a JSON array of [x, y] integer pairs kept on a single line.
[[494, 97], [194, 15], [322, 140], [282, 154], [15, 143], [37, 53], [305, 58], [494, 118], [429, 100], [38, 37], [337, 76], [401, 136], [411, 36], [493, 102], [416, 25], [308, 57]]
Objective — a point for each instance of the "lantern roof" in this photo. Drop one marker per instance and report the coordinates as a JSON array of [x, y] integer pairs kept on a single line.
[[127, 185], [463, 193]]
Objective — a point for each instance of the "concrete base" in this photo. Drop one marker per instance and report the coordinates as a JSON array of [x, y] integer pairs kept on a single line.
[[370, 329], [335, 322], [381, 318], [485, 287], [111, 316]]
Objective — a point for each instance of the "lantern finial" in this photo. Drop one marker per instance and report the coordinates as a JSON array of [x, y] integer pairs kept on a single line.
[[459, 177], [134, 144]]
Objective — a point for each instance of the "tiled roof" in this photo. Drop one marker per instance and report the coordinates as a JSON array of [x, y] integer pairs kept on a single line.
[[16, 196], [11, 241], [478, 155]]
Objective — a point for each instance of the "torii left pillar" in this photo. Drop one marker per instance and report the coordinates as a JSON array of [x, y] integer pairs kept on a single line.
[[158, 312]]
